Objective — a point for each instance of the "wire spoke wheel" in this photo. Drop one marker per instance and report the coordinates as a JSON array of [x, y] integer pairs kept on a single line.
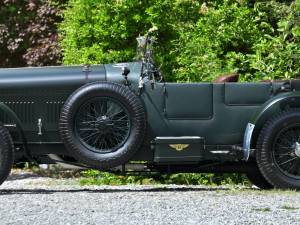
[[102, 124], [286, 151]]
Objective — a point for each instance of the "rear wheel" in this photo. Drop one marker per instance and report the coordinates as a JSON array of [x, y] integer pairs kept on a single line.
[[6, 154], [278, 150]]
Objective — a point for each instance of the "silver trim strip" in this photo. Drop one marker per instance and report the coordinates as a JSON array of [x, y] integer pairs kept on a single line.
[[247, 140], [179, 138], [10, 125], [220, 152]]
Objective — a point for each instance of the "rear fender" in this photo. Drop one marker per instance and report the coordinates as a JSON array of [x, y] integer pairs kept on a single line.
[[270, 108], [7, 111]]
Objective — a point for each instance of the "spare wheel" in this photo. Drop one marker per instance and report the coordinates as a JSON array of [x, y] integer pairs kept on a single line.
[[103, 124]]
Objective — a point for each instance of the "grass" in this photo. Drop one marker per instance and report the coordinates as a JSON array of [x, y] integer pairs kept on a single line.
[[266, 209], [94, 177], [288, 207], [232, 184], [235, 183]]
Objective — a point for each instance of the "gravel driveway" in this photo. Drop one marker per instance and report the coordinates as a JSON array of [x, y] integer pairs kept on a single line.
[[30, 199]]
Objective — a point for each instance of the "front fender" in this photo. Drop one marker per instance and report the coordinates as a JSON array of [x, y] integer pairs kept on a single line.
[[276, 104], [270, 108]]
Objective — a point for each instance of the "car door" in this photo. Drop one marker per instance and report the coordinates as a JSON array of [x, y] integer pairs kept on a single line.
[[189, 101]]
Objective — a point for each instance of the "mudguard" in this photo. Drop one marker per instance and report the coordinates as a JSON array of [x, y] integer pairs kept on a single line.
[[12, 115], [270, 108]]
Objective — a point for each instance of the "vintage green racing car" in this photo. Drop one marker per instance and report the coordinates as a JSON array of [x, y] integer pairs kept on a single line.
[[123, 116]]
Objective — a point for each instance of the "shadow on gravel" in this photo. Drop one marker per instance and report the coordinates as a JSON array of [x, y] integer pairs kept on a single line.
[[22, 176], [110, 190]]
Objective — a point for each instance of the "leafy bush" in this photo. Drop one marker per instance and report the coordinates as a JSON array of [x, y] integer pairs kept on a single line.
[[28, 33], [197, 41], [259, 41], [102, 31], [219, 41], [278, 55]]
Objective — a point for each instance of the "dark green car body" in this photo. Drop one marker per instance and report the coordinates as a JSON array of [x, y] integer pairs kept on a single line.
[[187, 123]]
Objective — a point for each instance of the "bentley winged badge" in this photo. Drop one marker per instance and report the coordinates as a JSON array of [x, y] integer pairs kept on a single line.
[[179, 147]]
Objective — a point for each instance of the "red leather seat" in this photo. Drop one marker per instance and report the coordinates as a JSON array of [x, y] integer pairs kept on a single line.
[[233, 77]]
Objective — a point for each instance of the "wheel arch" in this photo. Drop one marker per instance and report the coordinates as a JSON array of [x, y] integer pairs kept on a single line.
[[7, 111], [273, 106]]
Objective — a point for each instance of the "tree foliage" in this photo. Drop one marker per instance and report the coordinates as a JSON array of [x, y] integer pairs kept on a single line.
[[259, 41], [197, 40], [28, 32], [104, 31]]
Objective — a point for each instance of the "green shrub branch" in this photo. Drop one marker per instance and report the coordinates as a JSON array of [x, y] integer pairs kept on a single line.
[[197, 40]]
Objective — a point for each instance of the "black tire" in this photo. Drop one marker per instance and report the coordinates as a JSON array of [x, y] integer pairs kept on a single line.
[[276, 150], [257, 179], [112, 147], [6, 154]]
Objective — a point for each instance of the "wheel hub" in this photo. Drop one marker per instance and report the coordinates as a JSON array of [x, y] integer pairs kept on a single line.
[[297, 149], [286, 150], [103, 123]]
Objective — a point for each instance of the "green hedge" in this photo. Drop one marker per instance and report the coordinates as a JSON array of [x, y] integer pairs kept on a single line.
[[197, 41], [259, 41], [105, 31]]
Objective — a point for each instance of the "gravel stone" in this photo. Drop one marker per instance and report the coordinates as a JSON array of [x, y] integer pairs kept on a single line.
[[30, 199]]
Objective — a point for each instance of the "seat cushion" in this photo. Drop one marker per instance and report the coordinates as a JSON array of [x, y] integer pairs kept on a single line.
[[233, 77]]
